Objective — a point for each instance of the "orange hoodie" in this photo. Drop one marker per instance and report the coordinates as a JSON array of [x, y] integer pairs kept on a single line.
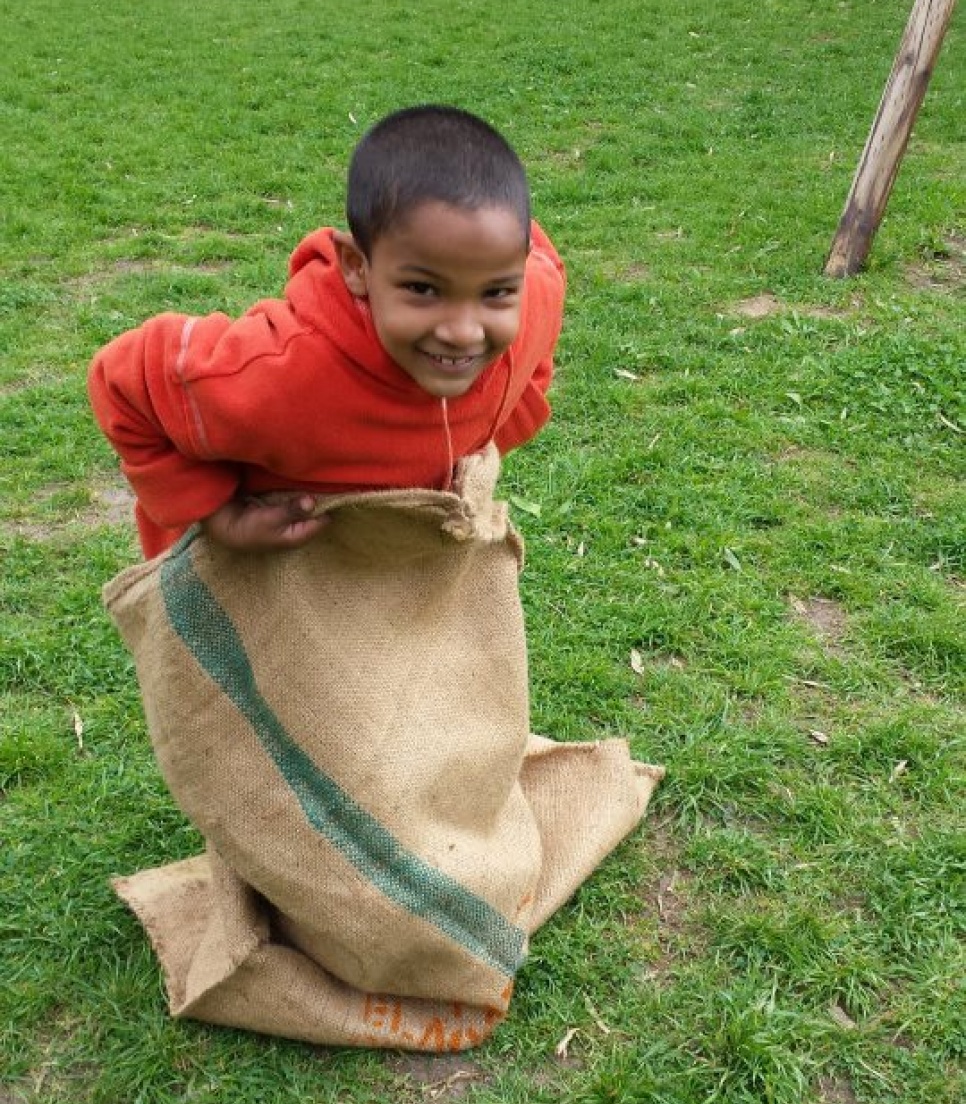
[[298, 393]]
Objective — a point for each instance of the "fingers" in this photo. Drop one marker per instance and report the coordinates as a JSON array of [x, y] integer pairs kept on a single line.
[[285, 526], [298, 506], [257, 526], [301, 532]]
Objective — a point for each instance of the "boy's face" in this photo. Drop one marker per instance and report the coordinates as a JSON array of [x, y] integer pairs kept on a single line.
[[444, 288]]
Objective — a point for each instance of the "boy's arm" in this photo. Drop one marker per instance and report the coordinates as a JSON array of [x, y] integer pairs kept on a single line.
[[139, 403], [546, 287], [531, 413]]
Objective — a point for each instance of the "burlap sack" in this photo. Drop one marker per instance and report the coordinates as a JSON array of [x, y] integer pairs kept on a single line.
[[347, 725]]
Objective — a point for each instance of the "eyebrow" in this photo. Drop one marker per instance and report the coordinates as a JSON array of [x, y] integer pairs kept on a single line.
[[419, 270]]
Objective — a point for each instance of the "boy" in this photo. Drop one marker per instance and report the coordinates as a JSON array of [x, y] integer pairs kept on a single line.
[[401, 346], [347, 724]]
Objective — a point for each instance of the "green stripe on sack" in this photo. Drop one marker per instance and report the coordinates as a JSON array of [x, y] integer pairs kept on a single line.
[[402, 876]]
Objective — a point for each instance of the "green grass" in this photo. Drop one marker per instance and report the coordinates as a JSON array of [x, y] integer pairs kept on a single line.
[[767, 513]]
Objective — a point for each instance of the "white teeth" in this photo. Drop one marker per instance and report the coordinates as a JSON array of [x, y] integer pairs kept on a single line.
[[452, 362]]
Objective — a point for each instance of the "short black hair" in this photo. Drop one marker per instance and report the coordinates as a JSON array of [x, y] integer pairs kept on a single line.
[[431, 153]]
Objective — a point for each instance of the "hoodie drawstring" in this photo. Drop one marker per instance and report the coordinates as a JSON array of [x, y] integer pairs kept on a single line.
[[450, 462]]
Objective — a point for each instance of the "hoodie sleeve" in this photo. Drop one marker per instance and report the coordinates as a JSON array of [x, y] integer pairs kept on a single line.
[[534, 348], [136, 387]]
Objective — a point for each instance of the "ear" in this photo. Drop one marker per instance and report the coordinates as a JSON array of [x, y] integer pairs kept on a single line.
[[352, 261]]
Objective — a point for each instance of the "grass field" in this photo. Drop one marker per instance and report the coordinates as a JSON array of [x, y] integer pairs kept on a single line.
[[746, 528]]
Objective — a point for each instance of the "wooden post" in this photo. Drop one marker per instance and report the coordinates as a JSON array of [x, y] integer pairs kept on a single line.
[[901, 100]]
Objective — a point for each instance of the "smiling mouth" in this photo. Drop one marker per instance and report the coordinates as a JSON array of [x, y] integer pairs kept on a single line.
[[454, 364]]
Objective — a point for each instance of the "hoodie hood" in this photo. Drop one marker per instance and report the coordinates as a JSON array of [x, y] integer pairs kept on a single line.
[[318, 295]]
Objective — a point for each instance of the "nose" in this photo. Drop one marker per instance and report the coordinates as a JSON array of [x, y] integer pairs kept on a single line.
[[460, 328]]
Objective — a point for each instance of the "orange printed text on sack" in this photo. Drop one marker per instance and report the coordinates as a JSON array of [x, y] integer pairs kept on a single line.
[[452, 1028]]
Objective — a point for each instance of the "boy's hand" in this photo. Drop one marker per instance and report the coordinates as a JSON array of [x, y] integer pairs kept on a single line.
[[250, 525]]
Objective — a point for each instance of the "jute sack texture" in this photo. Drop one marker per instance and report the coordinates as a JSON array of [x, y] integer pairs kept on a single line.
[[347, 726]]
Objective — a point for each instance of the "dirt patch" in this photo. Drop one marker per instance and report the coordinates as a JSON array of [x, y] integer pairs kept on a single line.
[[824, 617], [438, 1077], [823, 312], [553, 1078], [571, 158], [766, 304], [902, 1041], [660, 661], [758, 306], [835, 1090], [665, 899], [15, 387], [149, 266], [750, 711], [110, 504], [794, 454], [823, 463], [29, 531], [671, 899], [912, 687], [634, 273], [945, 270], [53, 1075], [207, 230]]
